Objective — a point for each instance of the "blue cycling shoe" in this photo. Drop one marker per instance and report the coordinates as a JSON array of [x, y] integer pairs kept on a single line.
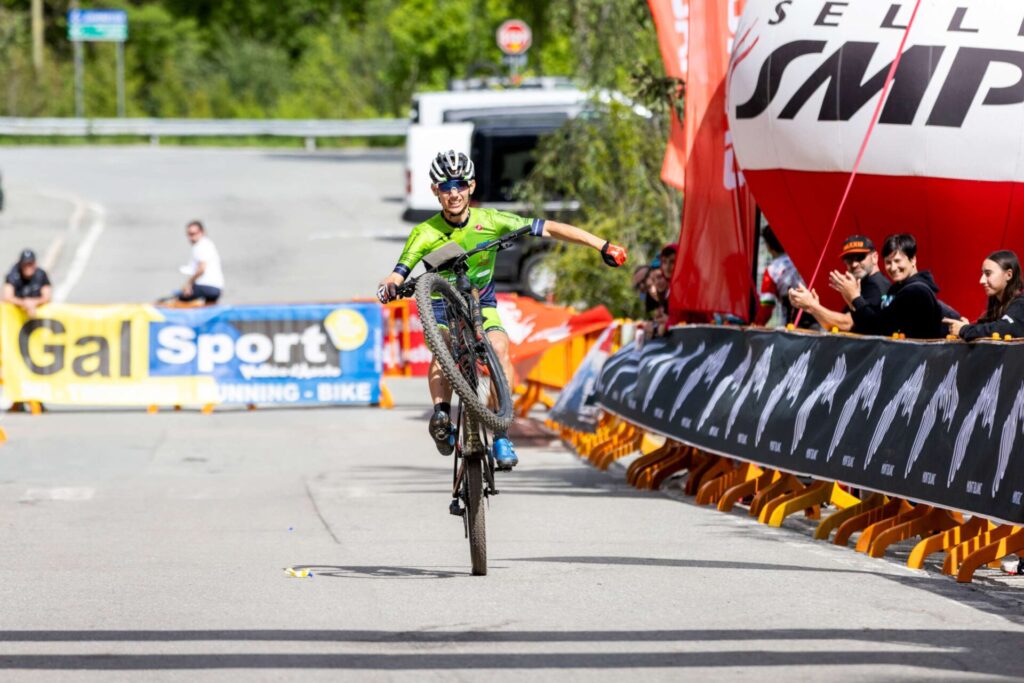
[[504, 454]]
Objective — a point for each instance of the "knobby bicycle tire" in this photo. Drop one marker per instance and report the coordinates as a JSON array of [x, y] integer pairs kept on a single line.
[[475, 514], [432, 284]]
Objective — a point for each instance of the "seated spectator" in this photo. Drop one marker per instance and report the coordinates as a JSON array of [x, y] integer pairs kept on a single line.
[[910, 307], [861, 260], [27, 286], [1004, 315], [206, 277], [779, 277]]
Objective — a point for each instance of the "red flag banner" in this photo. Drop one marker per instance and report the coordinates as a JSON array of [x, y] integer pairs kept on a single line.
[[671, 20], [713, 269]]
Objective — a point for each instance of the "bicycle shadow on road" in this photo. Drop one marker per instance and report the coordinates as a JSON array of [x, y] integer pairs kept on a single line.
[[380, 572]]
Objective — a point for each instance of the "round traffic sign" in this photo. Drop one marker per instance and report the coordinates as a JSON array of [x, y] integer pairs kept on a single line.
[[514, 37]]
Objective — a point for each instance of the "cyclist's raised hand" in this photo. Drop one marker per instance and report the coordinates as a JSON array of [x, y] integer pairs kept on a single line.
[[613, 254], [388, 291]]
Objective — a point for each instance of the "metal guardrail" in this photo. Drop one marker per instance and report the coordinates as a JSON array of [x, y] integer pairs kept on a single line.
[[154, 129]]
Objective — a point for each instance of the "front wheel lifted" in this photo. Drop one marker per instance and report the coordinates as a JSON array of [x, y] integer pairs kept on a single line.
[[432, 287]]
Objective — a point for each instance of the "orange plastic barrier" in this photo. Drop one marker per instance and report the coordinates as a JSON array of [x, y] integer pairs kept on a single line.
[[771, 496]]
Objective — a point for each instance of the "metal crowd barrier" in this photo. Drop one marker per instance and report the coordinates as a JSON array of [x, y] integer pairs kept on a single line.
[[154, 129]]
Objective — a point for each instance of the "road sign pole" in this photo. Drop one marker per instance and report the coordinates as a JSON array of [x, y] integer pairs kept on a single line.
[[79, 81], [120, 79], [37, 35]]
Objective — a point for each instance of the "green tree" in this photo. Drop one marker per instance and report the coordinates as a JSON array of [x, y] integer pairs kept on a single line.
[[609, 159]]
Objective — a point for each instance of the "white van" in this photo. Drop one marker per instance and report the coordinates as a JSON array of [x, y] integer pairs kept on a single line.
[[499, 129]]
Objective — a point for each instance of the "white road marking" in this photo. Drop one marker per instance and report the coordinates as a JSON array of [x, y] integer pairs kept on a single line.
[[82, 254], [49, 260], [68, 493]]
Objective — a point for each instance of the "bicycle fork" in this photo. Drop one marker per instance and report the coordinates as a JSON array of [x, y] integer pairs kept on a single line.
[[475, 448]]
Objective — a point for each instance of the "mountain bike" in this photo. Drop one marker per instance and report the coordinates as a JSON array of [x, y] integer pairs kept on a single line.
[[471, 366]]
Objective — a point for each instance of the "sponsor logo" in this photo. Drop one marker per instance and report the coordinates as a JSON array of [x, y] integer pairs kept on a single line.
[[246, 350], [47, 348], [962, 77]]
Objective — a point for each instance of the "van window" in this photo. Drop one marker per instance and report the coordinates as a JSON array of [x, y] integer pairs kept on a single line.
[[502, 161]]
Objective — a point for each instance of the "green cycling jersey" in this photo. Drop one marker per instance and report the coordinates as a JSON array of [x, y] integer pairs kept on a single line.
[[482, 225]]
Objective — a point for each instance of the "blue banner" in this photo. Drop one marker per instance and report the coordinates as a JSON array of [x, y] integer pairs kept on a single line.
[[290, 355]]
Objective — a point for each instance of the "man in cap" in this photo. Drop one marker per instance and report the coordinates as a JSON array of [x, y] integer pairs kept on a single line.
[[861, 261], [27, 285]]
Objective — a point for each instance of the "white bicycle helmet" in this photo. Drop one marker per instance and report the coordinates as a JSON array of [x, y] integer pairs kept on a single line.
[[451, 165]]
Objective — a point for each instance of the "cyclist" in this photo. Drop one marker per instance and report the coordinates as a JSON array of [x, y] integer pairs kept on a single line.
[[452, 182]]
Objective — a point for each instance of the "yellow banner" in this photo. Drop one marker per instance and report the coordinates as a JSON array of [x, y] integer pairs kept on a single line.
[[89, 355]]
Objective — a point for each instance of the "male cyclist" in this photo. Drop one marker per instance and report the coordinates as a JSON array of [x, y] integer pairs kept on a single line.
[[452, 181]]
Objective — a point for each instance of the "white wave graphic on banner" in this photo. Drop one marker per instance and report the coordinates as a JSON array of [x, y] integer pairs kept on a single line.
[[651, 355], [824, 393], [985, 408], [903, 402], [661, 361], [732, 382], [757, 380], [707, 371], [865, 395], [621, 363], [792, 384], [1014, 421], [946, 398]]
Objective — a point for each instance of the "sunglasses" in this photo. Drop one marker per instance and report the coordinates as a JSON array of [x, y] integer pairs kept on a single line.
[[449, 185], [855, 258]]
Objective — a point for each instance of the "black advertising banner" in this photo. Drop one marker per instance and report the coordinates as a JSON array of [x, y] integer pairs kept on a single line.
[[939, 422]]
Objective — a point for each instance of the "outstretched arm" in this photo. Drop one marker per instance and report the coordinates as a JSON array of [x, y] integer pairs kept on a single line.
[[612, 254], [570, 233]]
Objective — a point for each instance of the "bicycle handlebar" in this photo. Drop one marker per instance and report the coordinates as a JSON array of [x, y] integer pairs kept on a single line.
[[504, 242]]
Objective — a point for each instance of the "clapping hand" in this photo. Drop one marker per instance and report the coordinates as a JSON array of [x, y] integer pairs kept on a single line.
[[803, 298], [847, 285]]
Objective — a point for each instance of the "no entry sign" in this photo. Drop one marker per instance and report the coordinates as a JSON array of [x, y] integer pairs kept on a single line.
[[514, 37]]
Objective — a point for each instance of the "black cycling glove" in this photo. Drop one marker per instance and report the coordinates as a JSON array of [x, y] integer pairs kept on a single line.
[[388, 291]]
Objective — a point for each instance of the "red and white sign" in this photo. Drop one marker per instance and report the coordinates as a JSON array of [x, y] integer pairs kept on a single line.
[[514, 37], [946, 160]]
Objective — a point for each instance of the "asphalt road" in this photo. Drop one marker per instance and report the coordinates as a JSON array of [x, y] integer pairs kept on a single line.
[[153, 546]]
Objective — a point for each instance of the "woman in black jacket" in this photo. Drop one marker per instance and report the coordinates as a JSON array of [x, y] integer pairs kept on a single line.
[[1001, 279], [910, 307]]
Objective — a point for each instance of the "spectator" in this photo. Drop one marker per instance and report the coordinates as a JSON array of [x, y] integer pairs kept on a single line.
[[668, 260], [1004, 315], [206, 278], [27, 286], [640, 274], [779, 277], [910, 307], [861, 260]]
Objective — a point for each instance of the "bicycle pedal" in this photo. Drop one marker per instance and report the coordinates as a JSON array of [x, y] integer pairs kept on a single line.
[[455, 509]]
